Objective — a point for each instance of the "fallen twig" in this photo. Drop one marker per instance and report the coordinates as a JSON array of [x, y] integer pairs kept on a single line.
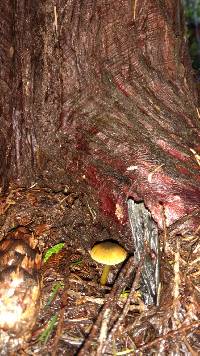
[[171, 334], [126, 306], [103, 331], [109, 304]]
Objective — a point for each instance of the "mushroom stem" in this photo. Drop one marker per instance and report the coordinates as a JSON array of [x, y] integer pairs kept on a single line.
[[104, 275]]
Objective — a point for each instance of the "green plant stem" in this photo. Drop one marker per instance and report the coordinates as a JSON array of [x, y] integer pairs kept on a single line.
[[104, 275]]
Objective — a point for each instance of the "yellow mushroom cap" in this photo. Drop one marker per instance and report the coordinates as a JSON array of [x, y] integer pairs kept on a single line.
[[108, 253]]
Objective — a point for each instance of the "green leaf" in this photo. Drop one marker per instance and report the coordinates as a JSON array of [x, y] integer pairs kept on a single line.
[[47, 332], [125, 293], [54, 291], [52, 250]]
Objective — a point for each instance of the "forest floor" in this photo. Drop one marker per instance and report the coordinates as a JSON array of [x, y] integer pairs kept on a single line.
[[77, 315]]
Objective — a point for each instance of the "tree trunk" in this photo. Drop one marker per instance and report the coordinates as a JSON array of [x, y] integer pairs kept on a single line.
[[99, 96]]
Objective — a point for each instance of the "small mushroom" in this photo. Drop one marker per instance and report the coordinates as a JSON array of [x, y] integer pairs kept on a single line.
[[108, 253]]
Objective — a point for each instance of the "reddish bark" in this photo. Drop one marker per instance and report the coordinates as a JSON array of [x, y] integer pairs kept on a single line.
[[102, 99]]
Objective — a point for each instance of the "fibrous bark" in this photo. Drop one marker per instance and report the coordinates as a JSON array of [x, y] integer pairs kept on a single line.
[[99, 95]]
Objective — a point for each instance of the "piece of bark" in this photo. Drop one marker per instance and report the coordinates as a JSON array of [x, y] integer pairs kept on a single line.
[[20, 262], [146, 242]]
